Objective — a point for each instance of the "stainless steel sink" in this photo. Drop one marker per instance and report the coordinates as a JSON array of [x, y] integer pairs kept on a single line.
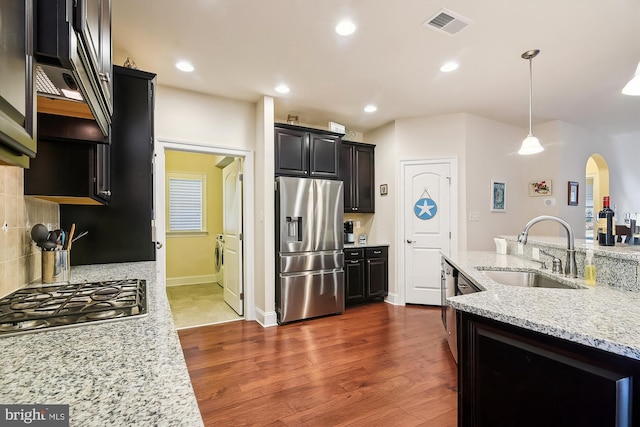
[[527, 279]]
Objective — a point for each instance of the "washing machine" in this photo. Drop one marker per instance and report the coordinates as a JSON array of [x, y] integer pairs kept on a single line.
[[219, 258]]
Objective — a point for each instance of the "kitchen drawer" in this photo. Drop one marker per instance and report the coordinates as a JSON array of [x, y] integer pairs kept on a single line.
[[377, 252], [353, 254]]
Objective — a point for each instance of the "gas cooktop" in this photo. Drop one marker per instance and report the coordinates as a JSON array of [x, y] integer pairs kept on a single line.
[[50, 307]]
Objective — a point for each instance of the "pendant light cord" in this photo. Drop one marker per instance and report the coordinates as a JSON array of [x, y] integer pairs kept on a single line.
[[530, 94]]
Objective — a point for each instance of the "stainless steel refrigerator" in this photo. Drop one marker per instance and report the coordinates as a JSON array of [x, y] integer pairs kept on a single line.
[[309, 247]]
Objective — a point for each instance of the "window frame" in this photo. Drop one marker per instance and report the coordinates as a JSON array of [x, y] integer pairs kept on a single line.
[[202, 178]]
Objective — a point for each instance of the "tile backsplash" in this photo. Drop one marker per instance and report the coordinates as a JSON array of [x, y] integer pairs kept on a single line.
[[20, 258]]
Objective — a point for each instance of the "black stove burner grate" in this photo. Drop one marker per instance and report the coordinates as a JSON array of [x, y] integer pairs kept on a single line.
[[43, 307]]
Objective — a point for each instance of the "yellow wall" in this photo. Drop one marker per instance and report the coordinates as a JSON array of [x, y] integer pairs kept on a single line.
[[190, 258]]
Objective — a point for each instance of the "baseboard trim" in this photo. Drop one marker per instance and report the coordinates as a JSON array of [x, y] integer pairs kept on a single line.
[[266, 320], [393, 299], [192, 280]]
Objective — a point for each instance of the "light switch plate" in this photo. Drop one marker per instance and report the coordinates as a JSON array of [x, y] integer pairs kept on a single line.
[[357, 224], [474, 216]]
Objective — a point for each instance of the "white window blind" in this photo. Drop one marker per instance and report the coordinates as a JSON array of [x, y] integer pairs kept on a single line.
[[185, 204]]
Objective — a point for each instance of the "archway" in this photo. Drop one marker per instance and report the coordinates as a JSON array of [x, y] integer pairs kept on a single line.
[[597, 186]]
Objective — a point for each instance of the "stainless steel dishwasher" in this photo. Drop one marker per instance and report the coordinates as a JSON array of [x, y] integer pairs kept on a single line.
[[452, 283], [448, 289]]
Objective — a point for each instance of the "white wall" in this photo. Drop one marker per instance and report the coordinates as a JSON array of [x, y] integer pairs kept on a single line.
[[492, 153], [265, 218], [204, 119], [624, 174], [384, 221]]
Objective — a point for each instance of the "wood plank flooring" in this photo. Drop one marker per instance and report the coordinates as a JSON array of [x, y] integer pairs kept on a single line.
[[375, 365]]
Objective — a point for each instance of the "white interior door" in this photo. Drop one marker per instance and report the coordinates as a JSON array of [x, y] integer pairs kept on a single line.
[[232, 229], [426, 207]]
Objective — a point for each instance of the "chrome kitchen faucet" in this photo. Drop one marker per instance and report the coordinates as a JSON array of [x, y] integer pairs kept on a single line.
[[570, 268]]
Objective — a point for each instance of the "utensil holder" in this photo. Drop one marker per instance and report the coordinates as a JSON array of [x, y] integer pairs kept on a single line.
[[56, 266]]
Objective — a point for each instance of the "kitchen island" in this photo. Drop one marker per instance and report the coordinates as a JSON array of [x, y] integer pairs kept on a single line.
[[544, 356], [600, 316], [126, 372]]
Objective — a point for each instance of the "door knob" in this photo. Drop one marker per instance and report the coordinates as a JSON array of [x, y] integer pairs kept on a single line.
[[410, 241]]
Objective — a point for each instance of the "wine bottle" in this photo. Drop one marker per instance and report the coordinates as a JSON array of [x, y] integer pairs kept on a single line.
[[606, 224]]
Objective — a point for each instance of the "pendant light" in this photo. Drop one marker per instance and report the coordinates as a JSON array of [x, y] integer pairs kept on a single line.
[[633, 87], [530, 145]]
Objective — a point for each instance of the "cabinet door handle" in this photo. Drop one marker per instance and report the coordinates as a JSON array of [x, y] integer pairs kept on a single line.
[[105, 193], [410, 241], [354, 261], [377, 252], [104, 77]]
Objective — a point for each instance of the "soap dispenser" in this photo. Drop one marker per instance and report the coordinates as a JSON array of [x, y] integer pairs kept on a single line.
[[589, 269]]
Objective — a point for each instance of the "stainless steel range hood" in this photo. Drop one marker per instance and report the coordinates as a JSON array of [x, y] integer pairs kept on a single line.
[[63, 68], [57, 83]]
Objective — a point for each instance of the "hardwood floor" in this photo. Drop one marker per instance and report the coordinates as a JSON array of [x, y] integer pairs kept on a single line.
[[375, 365]]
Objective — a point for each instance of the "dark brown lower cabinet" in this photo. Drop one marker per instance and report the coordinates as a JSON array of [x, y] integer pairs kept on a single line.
[[509, 376], [377, 277], [366, 274], [354, 276]]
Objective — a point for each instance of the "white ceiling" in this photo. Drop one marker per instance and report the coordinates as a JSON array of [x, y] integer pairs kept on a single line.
[[242, 49]]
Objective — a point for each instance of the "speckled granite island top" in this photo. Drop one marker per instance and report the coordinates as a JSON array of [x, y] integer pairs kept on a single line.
[[129, 372], [599, 316]]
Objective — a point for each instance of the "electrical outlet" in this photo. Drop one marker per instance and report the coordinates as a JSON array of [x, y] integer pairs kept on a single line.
[[535, 254], [474, 216], [357, 224], [520, 249]]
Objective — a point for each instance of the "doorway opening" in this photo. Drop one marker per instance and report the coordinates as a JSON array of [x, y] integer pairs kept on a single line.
[[597, 186], [204, 263]]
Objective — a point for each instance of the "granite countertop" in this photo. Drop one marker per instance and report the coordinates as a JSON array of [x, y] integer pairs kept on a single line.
[[597, 316], [364, 245], [127, 372]]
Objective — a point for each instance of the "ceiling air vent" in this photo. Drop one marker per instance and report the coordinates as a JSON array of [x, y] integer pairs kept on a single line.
[[447, 22]]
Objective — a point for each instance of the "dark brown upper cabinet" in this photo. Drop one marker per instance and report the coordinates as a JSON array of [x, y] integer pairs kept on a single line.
[[17, 95], [358, 173], [306, 152]]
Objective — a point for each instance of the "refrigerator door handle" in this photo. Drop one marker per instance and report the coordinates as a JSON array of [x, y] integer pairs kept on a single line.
[[299, 229]]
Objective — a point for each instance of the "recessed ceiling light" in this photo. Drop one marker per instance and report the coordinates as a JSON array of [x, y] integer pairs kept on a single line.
[[345, 28], [282, 89], [184, 66], [449, 66], [370, 108]]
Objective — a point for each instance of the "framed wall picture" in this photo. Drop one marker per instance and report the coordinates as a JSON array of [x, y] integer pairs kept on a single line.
[[540, 188], [498, 196], [572, 197]]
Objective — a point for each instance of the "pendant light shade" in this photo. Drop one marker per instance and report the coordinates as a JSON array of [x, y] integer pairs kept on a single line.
[[530, 145], [633, 87]]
